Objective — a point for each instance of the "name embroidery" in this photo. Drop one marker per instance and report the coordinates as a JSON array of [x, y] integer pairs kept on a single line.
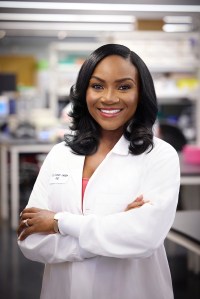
[[58, 176]]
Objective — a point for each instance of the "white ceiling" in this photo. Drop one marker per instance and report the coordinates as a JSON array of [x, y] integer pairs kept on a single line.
[[63, 27]]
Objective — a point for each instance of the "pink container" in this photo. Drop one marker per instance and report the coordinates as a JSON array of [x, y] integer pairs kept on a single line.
[[191, 154]]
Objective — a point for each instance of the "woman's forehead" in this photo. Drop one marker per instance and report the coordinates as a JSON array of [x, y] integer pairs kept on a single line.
[[115, 66]]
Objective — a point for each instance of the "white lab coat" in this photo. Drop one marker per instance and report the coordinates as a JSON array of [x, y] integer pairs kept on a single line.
[[102, 251]]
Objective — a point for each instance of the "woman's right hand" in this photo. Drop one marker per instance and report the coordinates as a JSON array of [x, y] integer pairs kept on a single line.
[[138, 202], [35, 220]]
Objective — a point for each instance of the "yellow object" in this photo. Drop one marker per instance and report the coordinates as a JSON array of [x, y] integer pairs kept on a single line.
[[190, 83]]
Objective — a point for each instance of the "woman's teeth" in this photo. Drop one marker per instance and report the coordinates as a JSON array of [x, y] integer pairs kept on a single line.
[[110, 111]]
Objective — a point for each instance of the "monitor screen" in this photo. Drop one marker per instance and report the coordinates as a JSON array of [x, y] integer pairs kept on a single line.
[[7, 82], [4, 107]]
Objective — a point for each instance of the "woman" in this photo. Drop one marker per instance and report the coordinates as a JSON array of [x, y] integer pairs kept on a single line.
[[105, 198]]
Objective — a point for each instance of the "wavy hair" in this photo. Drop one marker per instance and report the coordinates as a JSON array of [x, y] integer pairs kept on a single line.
[[85, 136]]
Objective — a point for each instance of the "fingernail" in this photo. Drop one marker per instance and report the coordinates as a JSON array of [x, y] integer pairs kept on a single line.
[[19, 238]]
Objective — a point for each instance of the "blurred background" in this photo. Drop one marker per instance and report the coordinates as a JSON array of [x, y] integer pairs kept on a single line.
[[42, 46]]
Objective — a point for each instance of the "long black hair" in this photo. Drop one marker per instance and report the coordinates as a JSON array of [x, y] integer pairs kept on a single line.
[[86, 131]]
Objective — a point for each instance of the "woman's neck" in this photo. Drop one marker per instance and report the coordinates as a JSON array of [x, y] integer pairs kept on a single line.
[[108, 139]]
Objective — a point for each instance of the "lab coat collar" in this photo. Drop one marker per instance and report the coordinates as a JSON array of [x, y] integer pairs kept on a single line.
[[121, 147]]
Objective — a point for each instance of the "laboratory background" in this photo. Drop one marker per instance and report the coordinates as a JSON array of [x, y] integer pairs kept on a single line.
[[42, 47]]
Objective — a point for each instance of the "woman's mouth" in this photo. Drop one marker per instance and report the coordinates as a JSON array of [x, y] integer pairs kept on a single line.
[[110, 112]]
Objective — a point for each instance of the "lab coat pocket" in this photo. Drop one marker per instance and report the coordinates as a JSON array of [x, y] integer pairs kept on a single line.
[[106, 204]]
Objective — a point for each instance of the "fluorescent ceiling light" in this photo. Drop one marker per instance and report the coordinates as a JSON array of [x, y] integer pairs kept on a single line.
[[67, 18], [54, 33], [101, 6], [66, 27], [178, 19], [177, 27], [62, 35]]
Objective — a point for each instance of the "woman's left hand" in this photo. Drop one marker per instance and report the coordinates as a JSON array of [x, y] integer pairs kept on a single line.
[[35, 220], [138, 202]]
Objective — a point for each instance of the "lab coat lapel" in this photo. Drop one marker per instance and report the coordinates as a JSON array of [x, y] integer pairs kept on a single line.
[[76, 171], [77, 164], [120, 148]]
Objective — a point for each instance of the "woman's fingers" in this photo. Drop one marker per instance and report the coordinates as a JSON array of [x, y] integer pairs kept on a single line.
[[134, 205], [30, 211], [23, 224], [27, 227], [138, 202], [34, 220], [139, 198], [27, 215], [25, 233]]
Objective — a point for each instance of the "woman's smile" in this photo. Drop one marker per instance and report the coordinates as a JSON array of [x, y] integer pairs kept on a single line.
[[110, 112]]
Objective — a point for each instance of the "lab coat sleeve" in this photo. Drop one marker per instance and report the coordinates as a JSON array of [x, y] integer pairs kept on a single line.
[[51, 248], [138, 232]]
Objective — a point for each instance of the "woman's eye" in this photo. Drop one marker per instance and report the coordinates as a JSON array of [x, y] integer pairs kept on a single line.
[[124, 87], [97, 86]]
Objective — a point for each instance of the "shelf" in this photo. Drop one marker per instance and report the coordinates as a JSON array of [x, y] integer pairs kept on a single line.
[[74, 68], [191, 68]]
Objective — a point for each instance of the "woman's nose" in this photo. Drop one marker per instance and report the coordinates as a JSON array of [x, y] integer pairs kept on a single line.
[[109, 97]]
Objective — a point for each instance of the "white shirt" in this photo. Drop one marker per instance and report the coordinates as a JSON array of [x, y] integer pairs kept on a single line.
[[103, 252]]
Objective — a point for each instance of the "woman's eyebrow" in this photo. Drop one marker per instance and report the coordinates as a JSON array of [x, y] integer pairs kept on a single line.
[[97, 78], [125, 79], [118, 80]]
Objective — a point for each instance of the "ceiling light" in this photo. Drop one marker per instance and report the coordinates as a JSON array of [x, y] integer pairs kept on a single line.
[[178, 19], [101, 6], [67, 18], [54, 33], [177, 27], [66, 26], [62, 35]]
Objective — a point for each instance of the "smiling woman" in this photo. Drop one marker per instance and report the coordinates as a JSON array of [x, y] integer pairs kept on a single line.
[[112, 94], [114, 73], [105, 198]]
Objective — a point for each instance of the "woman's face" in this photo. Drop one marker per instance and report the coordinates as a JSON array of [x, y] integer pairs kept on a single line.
[[113, 92]]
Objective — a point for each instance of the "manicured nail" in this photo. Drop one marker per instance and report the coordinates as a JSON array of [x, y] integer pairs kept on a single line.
[[19, 238]]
